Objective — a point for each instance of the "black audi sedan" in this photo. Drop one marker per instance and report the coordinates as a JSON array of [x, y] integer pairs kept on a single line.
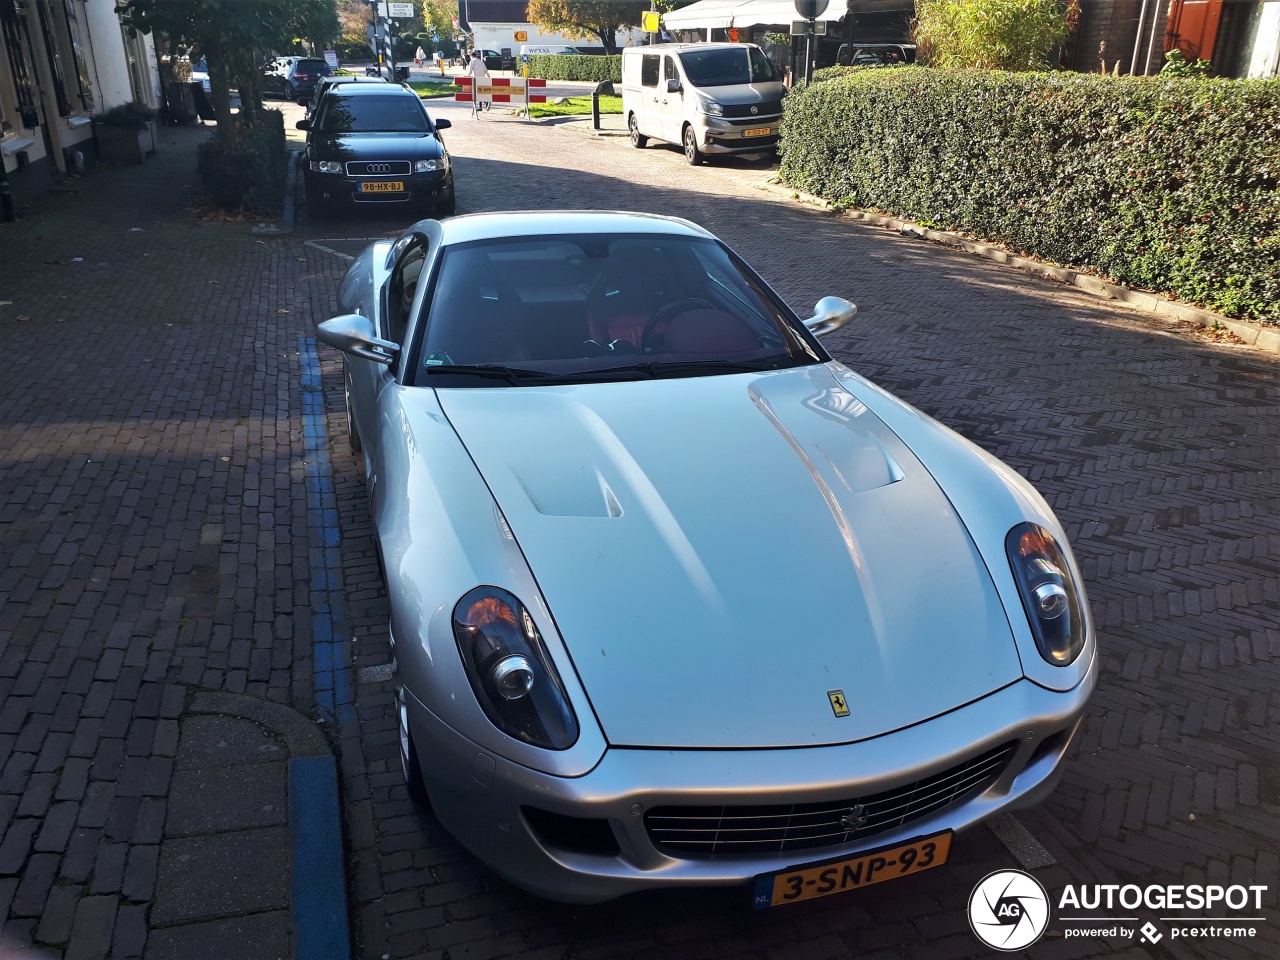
[[375, 143]]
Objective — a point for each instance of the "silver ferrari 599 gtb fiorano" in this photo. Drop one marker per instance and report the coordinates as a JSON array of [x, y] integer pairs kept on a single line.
[[676, 598]]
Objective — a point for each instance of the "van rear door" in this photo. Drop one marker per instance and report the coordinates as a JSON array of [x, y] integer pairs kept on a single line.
[[670, 105], [648, 116]]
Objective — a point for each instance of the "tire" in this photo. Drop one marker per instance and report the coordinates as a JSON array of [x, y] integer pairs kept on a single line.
[[691, 151], [353, 433], [410, 766], [317, 206], [638, 139], [448, 208], [290, 91]]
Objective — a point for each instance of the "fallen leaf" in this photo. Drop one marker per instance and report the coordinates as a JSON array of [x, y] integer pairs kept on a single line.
[[5, 303], [282, 310], [22, 316]]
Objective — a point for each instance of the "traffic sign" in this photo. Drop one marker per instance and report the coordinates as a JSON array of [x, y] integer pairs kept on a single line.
[[522, 36], [811, 9], [649, 21], [800, 28], [401, 11]]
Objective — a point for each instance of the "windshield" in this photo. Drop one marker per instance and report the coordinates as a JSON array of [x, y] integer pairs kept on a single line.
[[341, 113], [583, 308], [724, 66]]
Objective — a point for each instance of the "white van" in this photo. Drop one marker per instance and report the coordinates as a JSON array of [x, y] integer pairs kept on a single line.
[[707, 97]]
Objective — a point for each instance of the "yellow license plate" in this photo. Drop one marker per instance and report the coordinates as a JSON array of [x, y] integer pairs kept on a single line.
[[806, 882], [381, 186], [756, 132]]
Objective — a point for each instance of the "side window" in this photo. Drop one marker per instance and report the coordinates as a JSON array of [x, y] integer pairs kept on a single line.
[[669, 71], [649, 70], [400, 290]]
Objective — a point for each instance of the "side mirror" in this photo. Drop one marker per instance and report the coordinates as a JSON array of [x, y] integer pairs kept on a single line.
[[351, 333], [302, 125], [673, 86], [443, 124], [830, 313], [302, 101]]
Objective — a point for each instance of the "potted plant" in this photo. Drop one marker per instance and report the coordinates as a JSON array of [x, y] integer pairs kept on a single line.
[[126, 133]]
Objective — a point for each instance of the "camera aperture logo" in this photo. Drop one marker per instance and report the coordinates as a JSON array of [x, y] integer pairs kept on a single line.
[[1008, 910]]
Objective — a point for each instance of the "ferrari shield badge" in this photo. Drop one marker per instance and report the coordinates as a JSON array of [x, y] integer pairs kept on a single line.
[[838, 703]]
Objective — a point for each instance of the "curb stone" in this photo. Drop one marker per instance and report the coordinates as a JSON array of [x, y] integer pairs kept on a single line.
[[1263, 336]]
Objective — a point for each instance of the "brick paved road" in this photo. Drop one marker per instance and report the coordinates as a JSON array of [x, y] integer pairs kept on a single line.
[[1158, 450]]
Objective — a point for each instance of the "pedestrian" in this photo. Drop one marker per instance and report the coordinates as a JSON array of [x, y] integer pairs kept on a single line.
[[478, 73], [418, 56]]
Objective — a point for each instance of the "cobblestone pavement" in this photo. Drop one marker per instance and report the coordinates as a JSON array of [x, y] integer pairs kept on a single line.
[[172, 522], [1157, 449]]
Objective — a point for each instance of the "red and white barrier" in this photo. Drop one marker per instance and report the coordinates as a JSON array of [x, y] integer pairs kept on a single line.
[[500, 90]]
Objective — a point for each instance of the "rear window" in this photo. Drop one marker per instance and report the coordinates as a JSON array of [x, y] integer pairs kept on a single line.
[[318, 67], [723, 67]]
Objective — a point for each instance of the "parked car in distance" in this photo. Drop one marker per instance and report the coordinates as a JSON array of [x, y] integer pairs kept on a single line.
[[293, 77], [676, 599], [375, 143], [493, 59], [200, 74], [708, 97], [875, 54]]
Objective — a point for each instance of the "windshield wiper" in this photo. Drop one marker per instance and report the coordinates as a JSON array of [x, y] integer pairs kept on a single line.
[[494, 371], [693, 368]]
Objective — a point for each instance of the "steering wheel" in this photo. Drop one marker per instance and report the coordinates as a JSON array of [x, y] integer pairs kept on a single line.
[[666, 314]]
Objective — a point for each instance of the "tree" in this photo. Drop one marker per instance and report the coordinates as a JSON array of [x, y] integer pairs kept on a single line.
[[585, 18], [990, 34]]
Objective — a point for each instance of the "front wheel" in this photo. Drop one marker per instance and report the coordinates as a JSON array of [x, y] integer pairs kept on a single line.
[[448, 208], [638, 139], [691, 151], [290, 92]]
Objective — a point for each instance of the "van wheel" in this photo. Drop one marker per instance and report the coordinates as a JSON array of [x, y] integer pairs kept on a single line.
[[691, 151], [638, 139]]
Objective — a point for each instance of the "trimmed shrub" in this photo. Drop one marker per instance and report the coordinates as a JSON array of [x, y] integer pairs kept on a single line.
[[248, 173], [1166, 184], [567, 67]]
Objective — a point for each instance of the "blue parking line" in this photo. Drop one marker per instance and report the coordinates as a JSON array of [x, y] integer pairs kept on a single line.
[[334, 687], [319, 888]]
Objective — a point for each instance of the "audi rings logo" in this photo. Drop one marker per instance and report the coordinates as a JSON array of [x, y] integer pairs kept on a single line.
[[377, 168], [1008, 910]]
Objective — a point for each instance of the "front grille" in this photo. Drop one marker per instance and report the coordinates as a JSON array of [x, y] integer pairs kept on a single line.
[[378, 168], [704, 831], [770, 108]]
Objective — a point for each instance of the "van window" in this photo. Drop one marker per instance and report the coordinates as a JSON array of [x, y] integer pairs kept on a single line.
[[724, 66], [669, 71], [649, 70]]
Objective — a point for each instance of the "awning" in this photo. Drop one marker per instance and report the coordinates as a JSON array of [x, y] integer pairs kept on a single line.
[[742, 13]]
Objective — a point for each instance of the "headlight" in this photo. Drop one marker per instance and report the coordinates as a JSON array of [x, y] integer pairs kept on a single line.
[[426, 166], [510, 672], [1049, 594], [326, 166], [710, 107]]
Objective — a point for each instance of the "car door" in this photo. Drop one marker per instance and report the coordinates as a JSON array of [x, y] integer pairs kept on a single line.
[[647, 116], [396, 303], [670, 105]]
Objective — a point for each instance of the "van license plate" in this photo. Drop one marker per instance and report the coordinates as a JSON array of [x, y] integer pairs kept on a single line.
[[381, 186], [806, 882], [756, 132]]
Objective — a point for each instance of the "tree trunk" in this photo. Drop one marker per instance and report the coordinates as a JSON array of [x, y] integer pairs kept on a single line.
[[220, 93]]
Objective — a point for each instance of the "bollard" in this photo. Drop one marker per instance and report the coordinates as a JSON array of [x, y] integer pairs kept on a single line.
[[604, 87]]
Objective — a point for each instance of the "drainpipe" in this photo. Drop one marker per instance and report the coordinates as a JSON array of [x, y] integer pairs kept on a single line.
[[1137, 40]]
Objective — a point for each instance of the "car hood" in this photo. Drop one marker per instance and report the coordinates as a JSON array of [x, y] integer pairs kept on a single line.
[[736, 94], [377, 146], [719, 553]]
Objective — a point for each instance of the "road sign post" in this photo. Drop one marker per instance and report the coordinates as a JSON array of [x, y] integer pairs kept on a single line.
[[810, 10]]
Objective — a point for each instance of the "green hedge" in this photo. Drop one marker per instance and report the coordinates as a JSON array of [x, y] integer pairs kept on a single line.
[[248, 174], [1165, 184], [564, 67]]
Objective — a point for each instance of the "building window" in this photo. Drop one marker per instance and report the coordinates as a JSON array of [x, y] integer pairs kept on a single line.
[[23, 86], [54, 56]]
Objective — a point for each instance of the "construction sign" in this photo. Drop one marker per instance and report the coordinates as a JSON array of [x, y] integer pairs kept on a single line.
[[500, 90]]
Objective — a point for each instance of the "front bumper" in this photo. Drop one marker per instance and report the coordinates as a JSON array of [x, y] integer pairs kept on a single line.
[[479, 796], [434, 187], [720, 135]]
